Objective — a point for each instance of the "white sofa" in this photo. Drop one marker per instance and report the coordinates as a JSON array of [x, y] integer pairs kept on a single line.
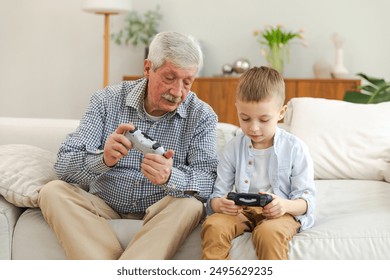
[[349, 143]]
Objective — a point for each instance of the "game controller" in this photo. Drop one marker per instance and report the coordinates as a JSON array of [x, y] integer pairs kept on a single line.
[[143, 143], [250, 199]]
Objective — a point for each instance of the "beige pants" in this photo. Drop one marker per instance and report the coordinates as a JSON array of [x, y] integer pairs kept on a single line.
[[270, 237], [79, 220]]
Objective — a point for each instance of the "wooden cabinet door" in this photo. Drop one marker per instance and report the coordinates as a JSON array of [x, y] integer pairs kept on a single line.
[[330, 89], [291, 89], [220, 93]]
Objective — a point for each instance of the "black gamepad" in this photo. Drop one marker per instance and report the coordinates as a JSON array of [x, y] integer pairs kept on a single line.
[[143, 143], [250, 199]]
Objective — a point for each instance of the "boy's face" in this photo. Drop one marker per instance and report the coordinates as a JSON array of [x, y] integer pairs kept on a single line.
[[258, 120]]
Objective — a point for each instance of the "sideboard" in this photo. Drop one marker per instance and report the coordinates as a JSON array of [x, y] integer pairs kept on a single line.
[[220, 92]]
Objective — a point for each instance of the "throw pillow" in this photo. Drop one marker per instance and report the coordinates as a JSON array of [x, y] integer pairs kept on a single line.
[[346, 140], [24, 169]]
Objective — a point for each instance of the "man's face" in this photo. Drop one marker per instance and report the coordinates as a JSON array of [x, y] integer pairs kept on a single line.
[[168, 86]]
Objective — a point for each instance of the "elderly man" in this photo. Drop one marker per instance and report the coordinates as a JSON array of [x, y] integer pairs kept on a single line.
[[166, 191]]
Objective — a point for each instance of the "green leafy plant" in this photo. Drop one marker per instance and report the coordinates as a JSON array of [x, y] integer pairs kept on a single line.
[[375, 91], [275, 41], [276, 36], [139, 29]]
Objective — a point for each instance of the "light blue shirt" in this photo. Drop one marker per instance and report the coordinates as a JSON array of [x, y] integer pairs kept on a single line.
[[291, 171]]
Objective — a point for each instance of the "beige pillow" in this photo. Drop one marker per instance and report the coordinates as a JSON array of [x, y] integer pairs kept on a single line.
[[346, 140], [24, 169]]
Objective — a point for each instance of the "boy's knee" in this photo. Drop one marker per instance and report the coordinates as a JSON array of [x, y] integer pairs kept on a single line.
[[266, 232], [214, 223]]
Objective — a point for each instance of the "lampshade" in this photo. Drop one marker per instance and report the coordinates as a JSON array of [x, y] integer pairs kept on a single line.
[[107, 6]]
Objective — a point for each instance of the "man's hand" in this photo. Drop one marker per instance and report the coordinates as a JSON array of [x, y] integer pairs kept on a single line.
[[225, 206], [117, 145], [158, 168], [155, 167]]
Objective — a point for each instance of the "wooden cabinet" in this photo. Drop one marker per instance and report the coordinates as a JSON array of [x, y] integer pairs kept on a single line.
[[322, 88], [220, 92]]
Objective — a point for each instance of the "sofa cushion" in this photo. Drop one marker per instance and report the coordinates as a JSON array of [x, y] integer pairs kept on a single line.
[[9, 214], [352, 222], [225, 132], [346, 140], [34, 240], [24, 169]]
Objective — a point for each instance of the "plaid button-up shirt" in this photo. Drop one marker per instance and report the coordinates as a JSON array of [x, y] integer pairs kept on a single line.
[[190, 131]]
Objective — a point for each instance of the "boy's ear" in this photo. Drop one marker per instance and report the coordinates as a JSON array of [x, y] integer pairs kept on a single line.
[[282, 112]]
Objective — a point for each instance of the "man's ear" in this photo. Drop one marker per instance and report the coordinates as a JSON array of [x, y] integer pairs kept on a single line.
[[147, 67], [282, 112]]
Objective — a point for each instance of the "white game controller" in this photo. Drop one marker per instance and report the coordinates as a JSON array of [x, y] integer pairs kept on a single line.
[[143, 143]]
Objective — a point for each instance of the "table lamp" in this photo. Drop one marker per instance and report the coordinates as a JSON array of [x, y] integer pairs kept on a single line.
[[106, 8]]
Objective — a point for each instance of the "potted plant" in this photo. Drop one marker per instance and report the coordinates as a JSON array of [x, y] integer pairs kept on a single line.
[[375, 91], [276, 40], [139, 29]]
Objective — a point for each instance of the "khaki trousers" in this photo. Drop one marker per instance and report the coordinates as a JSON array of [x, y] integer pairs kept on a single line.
[[270, 236], [80, 222]]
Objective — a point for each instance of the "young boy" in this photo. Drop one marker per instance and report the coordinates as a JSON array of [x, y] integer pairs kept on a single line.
[[262, 159]]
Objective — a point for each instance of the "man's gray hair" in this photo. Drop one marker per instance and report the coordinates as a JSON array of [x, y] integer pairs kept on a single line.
[[182, 50]]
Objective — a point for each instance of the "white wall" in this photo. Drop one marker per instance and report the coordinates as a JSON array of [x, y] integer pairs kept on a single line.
[[51, 52]]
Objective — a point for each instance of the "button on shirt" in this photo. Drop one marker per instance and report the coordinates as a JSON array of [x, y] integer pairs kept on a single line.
[[190, 131], [290, 171]]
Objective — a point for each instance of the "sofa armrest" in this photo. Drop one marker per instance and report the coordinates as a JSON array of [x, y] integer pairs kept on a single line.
[[9, 215]]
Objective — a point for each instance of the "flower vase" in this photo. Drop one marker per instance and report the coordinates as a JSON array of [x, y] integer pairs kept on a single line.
[[339, 70], [275, 58]]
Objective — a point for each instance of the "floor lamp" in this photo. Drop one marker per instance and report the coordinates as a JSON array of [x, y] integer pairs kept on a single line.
[[106, 8]]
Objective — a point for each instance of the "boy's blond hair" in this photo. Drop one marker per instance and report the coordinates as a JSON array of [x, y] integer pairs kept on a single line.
[[259, 83]]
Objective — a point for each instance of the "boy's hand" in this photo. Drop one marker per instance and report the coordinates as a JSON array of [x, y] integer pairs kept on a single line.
[[280, 206], [225, 206], [276, 208]]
